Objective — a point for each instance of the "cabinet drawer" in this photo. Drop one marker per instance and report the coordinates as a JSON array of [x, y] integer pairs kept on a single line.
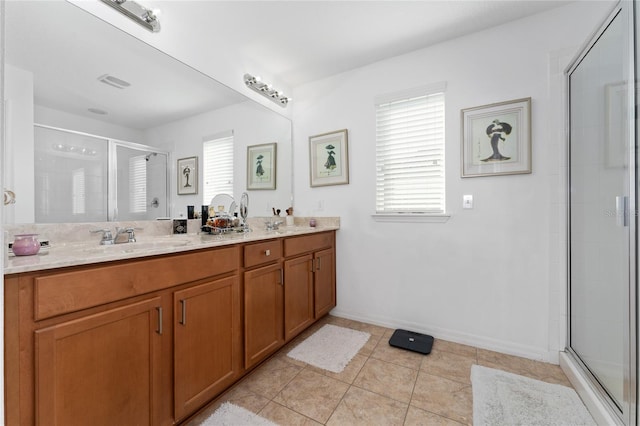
[[257, 254], [66, 292], [297, 245]]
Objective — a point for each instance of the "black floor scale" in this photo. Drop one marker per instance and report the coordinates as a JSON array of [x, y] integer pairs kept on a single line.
[[412, 341]]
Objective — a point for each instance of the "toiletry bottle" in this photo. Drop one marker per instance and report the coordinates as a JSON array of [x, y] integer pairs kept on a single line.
[[205, 215]]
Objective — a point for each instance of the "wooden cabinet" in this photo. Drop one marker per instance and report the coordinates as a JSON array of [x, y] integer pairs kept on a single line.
[[103, 369], [263, 313], [208, 342], [298, 295], [318, 251], [149, 341], [324, 281]]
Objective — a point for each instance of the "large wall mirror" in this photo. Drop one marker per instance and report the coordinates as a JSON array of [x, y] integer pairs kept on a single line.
[[89, 107]]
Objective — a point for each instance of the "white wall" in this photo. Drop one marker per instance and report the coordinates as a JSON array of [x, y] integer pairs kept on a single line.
[[483, 278], [251, 125], [18, 151]]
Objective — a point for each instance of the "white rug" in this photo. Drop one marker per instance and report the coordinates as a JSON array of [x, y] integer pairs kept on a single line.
[[501, 398], [330, 348], [229, 414]]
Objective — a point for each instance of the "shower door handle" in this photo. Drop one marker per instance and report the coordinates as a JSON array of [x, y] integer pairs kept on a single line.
[[622, 211]]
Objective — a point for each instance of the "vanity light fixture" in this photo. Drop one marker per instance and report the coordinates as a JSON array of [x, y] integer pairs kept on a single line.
[[143, 16], [255, 84]]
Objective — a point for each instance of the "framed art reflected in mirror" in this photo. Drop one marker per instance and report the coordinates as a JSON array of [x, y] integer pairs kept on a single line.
[[261, 166], [187, 176]]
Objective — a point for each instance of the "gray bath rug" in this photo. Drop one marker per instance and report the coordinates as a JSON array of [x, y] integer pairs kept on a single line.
[[501, 398], [229, 414], [330, 348]]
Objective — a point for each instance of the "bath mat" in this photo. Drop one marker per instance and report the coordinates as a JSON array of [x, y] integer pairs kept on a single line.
[[229, 414], [330, 348], [501, 398]]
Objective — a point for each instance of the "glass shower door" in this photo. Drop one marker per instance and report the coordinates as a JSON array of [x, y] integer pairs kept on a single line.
[[140, 179], [602, 206]]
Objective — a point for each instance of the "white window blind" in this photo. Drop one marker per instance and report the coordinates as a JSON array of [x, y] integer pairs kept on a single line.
[[138, 184], [410, 153], [217, 165]]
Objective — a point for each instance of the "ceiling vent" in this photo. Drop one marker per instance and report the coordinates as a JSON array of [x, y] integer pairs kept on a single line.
[[114, 81]]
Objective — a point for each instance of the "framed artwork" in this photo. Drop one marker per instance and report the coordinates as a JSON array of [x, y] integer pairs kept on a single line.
[[187, 176], [329, 160], [261, 166], [496, 139]]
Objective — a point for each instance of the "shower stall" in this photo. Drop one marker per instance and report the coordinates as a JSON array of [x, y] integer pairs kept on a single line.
[[86, 178], [602, 218]]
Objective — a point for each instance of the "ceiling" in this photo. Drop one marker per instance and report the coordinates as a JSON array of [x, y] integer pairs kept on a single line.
[[302, 41]]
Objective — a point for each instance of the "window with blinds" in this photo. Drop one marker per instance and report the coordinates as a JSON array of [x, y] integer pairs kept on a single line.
[[138, 184], [217, 167], [410, 152]]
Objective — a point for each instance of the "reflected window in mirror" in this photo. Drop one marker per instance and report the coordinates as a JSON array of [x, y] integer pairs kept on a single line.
[[138, 184], [217, 166]]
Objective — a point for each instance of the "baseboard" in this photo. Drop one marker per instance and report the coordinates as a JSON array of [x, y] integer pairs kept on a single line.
[[509, 348], [599, 411]]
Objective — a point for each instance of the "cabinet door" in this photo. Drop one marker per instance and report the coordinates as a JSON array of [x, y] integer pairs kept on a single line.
[[102, 369], [208, 339], [263, 313], [324, 282], [298, 295]]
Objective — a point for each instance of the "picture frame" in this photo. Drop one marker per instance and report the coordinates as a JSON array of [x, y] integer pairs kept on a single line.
[[261, 166], [187, 171], [496, 139], [329, 158]]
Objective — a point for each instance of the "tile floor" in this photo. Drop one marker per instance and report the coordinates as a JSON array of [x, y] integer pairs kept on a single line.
[[382, 385]]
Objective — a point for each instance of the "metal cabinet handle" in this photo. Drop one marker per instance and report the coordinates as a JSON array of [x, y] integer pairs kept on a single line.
[[183, 317], [281, 282], [319, 265], [267, 252], [312, 265], [622, 218], [159, 330]]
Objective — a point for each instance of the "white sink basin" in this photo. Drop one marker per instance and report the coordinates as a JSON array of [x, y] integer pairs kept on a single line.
[[137, 246]]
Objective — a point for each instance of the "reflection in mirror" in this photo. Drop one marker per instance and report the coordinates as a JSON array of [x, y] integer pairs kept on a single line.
[[86, 178], [140, 177], [70, 176], [64, 73]]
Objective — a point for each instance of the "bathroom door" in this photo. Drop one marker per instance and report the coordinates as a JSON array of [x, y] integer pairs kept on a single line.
[[602, 219]]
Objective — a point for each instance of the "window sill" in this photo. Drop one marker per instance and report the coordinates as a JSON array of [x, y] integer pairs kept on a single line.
[[411, 217]]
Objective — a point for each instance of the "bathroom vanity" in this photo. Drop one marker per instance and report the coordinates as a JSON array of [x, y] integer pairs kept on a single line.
[[151, 339]]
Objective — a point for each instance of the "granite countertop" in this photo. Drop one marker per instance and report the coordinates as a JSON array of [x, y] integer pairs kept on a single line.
[[74, 253]]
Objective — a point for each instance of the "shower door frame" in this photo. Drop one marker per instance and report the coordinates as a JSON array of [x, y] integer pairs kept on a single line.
[[112, 192], [627, 414]]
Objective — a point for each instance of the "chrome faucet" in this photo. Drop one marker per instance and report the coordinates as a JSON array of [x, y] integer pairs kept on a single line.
[[131, 236], [109, 239], [107, 236], [273, 224]]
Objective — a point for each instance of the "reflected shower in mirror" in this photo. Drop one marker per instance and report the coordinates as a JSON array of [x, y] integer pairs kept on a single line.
[[86, 178], [80, 73]]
